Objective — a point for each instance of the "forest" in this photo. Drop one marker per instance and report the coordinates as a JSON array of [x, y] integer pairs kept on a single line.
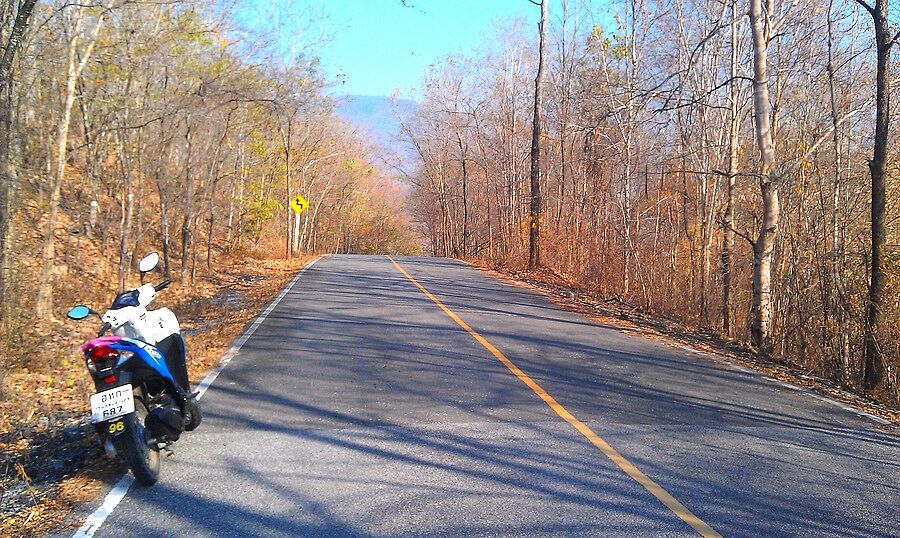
[[128, 127], [727, 164]]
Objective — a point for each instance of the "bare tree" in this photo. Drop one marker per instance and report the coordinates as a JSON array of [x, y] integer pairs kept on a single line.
[[649, 116], [763, 248], [534, 222], [76, 59], [733, 143], [873, 371]]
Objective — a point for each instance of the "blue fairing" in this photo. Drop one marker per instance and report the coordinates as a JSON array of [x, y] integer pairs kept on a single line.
[[147, 353]]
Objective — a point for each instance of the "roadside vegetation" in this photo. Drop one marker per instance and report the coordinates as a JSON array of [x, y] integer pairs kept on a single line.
[[722, 164]]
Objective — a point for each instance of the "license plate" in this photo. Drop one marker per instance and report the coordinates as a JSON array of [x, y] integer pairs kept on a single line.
[[112, 403]]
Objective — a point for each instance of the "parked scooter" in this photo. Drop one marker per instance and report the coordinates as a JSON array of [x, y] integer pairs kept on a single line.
[[143, 401]]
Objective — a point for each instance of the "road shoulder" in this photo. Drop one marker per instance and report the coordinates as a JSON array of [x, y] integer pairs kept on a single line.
[[703, 345]]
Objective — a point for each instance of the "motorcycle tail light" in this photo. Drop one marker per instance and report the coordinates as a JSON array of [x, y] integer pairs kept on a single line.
[[101, 358], [110, 379], [104, 352]]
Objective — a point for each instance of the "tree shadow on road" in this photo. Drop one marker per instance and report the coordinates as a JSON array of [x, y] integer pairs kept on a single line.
[[386, 398]]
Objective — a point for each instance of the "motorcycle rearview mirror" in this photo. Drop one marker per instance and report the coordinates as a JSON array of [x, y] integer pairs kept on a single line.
[[79, 312], [149, 262]]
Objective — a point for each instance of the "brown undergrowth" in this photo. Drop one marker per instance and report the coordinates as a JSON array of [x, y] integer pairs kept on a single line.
[[632, 321], [50, 458]]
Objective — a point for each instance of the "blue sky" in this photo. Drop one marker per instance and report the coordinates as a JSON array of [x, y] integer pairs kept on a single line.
[[379, 46]]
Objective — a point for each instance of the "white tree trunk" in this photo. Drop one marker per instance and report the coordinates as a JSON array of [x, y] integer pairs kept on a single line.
[[763, 248], [728, 214]]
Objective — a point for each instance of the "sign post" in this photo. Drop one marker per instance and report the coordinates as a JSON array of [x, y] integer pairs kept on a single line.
[[298, 205]]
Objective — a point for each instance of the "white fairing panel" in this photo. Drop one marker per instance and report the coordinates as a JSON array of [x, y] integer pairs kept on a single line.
[[146, 294], [119, 317], [159, 325]]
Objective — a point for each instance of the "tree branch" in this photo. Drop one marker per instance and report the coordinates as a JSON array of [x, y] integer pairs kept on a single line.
[[745, 237], [867, 7], [697, 100]]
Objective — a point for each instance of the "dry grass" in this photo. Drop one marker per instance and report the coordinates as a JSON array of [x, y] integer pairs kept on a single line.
[[49, 455]]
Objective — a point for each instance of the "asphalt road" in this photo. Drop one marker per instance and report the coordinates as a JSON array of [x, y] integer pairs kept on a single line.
[[360, 408]]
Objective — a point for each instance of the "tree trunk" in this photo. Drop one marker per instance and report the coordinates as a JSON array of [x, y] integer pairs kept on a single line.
[[873, 369], [236, 172], [164, 232], [728, 214], [127, 212], [763, 248], [286, 146], [211, 229], [838, 306], [187, 209], [465, 196], [534, 251], [127, 169], [8, 175], [139, 206]]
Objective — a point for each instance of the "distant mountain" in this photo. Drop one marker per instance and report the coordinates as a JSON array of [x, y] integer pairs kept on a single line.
[[375, 113]]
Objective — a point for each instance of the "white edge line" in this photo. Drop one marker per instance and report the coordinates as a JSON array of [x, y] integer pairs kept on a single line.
[[804, 390], [94, 521], [842, 405], [811, 393]]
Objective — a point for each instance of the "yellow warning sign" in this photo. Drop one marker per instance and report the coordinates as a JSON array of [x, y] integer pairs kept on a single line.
[[299, 204]]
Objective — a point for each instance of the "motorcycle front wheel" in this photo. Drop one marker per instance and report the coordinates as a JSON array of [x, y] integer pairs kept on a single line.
[[141, 459]]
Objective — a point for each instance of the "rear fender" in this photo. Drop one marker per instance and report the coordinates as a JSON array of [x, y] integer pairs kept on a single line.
[[151, 358]]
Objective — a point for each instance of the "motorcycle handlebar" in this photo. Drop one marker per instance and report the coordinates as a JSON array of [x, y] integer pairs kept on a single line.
[[162, 285], [159, 287]]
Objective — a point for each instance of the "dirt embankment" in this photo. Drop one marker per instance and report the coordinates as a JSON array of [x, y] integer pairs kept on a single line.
[[50, 458]]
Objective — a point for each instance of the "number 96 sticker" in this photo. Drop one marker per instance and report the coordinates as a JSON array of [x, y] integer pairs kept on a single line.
[[115, 428]]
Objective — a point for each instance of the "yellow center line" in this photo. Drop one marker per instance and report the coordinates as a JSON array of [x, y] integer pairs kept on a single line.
[[629, 468]]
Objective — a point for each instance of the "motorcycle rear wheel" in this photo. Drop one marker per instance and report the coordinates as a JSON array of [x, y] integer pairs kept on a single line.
[[141, 459], [193, 415]]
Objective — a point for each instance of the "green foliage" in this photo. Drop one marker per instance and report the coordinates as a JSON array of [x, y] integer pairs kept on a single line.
[[258, 144], [263, 209], [619, 49], [258, 212], [191, 29], [615, 45]]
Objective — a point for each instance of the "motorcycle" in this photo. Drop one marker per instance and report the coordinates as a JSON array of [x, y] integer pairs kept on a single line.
[[143, 401]]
